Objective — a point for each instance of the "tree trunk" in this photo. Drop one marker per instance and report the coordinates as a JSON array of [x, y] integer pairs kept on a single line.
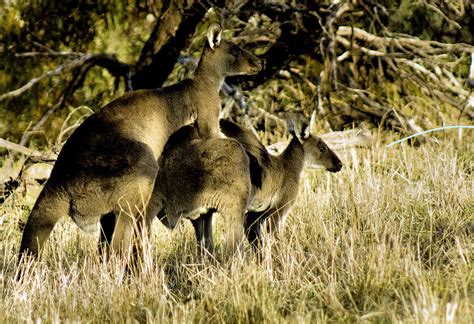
[[171, 34]]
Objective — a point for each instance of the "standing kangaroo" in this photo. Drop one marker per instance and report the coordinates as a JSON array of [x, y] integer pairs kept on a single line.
[[281, 176], [199, 177], [236, 177], [106, 170]]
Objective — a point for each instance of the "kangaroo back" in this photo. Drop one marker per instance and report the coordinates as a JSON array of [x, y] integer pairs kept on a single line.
[[199, 177], [258, 155]]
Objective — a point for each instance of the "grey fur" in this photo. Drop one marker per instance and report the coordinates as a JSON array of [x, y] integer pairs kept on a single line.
[[281, 176], [106, 170], [199, 177]]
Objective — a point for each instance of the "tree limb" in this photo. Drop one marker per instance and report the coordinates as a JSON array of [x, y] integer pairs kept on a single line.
[[50, 54], [107, 61], [37, 155], [432, 47], [58, 70], [170, 35]]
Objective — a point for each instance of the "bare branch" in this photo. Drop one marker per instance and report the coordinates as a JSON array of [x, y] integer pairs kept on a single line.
[[436, 9], [432, 47], [170, 35], [364, 50], [25, 150], [50, 54], [60, 69], [26, 135], [383, 113], [339, 141], [107, 61], [66, 128]]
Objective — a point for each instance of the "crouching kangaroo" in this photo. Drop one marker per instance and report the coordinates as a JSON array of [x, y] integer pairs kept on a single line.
[[106, 171], [281, 176], [200, 177]]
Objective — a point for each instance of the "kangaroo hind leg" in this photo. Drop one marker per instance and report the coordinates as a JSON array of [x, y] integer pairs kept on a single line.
[[48, 209], [107, 227], [132, 228], [203, 229], [234, 229], [253, 229]]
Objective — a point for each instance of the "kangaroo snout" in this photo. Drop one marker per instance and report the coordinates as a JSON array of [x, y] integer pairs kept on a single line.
[[336, 164], [254, 63], [257, 65], [336, 168]]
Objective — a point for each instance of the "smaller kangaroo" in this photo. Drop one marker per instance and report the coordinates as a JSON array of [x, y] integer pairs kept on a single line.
[[199, 177], [281, 176]]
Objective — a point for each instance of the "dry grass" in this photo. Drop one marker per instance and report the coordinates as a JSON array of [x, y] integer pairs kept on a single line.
[[387, 239]]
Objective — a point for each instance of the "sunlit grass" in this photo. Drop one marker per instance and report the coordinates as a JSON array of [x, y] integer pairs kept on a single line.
[[389, 238]]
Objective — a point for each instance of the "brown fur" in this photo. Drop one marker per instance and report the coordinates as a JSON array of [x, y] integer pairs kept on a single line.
[[205, 176], [199, 177], [281, 176], [106, 170]]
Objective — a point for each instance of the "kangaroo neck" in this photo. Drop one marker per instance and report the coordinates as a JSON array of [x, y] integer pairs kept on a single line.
[[209, 72], [293, 157], [208, 79], [207, 82]]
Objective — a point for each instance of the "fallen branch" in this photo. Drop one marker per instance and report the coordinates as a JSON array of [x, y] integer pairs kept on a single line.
[[34, 154], [339, 141], [390, 39], [9, 186]]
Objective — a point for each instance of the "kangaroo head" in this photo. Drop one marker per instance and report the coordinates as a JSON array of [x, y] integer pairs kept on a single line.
[[228, 58], [316, 152]]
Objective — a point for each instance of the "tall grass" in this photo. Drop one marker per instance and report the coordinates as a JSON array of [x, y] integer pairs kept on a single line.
[[387, 239]]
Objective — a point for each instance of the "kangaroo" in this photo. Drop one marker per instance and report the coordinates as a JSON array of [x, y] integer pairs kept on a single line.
[[281, 176], [234, 175], [106, 171], [199, 177]]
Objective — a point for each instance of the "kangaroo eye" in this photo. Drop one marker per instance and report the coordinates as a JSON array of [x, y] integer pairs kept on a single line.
[[322, 149]]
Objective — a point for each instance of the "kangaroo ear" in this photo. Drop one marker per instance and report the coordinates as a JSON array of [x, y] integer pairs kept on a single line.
[[312, 122], [293, 127], [290, 123], [305, 129], [214, 35]]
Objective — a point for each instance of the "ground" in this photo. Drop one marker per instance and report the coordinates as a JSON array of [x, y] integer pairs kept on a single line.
[[389, 238]]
